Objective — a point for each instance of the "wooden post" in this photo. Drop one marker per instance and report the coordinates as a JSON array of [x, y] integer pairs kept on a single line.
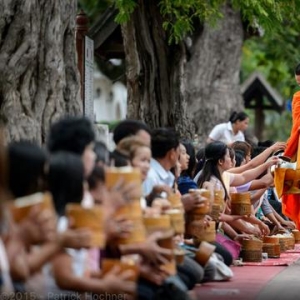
[[259, 118], [81, 30]]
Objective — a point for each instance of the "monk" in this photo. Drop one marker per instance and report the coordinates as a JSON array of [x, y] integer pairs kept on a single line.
[[291, 202]]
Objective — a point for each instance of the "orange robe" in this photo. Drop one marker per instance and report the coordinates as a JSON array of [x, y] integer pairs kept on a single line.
[[291, 202]]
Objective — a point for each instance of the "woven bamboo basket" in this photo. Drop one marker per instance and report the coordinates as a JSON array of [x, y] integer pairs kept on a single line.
[[296, 234], [133, 212], [285, 242], [91, 218], [252, 250], [177, 220], [203, 233], [240, 204], [283, 246], [175, 200], [272, 239], [20, 208], [200, 212], [273, 250], [290, 242], [218, 205], [114, 175], [167, 242], [157, 223], [107, 264], [163, 223]]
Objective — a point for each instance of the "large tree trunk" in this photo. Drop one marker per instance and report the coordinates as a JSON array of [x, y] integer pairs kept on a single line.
[[213, 73], [155, 71], [39, 80]]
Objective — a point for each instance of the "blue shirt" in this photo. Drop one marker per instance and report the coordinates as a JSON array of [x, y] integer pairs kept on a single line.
[[185, 183], [157, 175]]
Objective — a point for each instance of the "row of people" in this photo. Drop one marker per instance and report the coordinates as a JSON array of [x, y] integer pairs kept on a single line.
[[47, 256]]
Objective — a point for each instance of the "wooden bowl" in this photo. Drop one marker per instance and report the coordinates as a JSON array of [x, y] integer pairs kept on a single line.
[[204, 252]]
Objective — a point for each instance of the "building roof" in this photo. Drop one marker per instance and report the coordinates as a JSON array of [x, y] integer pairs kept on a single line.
[[107, 36], [258, 93]]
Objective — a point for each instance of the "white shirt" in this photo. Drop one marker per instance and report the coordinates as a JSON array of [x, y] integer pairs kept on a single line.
[[157, 175], [79, 265], [223, 132]]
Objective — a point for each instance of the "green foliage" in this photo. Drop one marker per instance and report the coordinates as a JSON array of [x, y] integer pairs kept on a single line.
[[179, 15], [126, 8], [111, 124], [275, 56], [93, 8], [269, 14]]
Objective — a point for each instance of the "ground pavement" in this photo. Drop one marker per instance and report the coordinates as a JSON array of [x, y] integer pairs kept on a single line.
[[258, 282]]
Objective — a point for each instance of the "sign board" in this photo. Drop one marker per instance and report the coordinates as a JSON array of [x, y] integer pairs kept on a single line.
[[89, 78]]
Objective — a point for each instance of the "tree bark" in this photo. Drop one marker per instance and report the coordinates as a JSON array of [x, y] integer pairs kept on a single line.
[[39, 79], [155, 71], [213, 73]]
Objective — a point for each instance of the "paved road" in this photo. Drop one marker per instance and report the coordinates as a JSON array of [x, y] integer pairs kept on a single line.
[[285, 286]]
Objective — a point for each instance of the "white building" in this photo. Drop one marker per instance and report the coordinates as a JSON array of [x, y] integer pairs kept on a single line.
[[110, 99]]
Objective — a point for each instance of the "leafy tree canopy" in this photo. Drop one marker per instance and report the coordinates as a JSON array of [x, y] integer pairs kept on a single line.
[[179, 14]]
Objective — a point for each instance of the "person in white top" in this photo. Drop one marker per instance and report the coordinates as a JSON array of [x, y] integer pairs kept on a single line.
[[231, 131]]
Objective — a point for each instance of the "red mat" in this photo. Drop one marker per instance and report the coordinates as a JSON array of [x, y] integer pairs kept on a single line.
[[247, 281]]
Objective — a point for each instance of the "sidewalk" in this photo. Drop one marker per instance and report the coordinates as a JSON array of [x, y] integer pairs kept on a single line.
[[286, 285]]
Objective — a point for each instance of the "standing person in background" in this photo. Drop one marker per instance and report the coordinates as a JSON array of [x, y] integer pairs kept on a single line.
[[231, 131]]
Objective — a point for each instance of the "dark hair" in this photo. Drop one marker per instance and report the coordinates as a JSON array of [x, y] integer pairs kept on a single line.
[[258, 150], [243, 146], [26, 162], [127, 128], [162, 141], [267, 143], [71, 134], [65, 179], [239, 157], [213, 152], [238, 116], [96, 176], [231, 153], [117, 159], [200, 155], [190, 150], [102, 153], [297, 70]]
